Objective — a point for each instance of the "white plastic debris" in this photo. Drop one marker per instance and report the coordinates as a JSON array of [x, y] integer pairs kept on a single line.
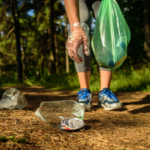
[[13, 98], [53, 112], [71, 124]]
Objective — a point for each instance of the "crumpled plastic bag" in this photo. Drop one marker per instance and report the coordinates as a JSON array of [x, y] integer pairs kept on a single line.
[[13, 98], [53, 112]]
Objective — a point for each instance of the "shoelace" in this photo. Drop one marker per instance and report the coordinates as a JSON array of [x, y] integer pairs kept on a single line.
[[110, 94], [85, 95]]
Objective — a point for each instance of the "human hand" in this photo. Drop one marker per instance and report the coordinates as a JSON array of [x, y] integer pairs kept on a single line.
[[78, 35]]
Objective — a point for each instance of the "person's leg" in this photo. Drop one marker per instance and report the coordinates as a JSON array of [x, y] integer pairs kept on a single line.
[[84, 78], [84, 69], [106, 98], [105, 78], [105, 74]]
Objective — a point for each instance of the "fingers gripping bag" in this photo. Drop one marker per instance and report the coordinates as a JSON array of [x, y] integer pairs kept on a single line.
[[111, 35]]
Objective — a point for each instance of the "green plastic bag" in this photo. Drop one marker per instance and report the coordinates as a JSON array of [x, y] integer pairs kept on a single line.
[[111, 35]]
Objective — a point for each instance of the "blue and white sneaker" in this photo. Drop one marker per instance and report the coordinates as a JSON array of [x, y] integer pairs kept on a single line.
[[108, 100], [85, 98]]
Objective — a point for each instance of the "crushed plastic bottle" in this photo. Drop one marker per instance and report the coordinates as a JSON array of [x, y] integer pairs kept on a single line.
[[71, 124], [13, 98], [53, 112]]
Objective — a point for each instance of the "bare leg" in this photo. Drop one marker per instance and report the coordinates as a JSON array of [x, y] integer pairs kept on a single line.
[[84, 78], [84, 86], [105, 100], [105, 78]]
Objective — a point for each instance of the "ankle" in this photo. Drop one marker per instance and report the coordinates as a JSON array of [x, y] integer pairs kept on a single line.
[[84, 89]]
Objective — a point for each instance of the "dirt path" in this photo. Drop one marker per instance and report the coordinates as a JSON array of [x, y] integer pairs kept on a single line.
[[116, 130]]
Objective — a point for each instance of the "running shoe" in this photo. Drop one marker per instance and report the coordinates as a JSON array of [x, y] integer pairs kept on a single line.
[[85, 98], [108, 100]]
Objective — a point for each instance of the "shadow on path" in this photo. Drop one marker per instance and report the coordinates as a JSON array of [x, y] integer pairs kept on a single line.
[[145, 100], [145, 109]]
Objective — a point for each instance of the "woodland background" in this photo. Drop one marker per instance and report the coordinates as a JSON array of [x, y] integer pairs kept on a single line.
[[33, 34]]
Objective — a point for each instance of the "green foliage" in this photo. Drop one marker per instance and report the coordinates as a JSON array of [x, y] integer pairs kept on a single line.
[[60, 82], [12, 81], [134, 80], [12, 138], [123, 80], [35, 49]]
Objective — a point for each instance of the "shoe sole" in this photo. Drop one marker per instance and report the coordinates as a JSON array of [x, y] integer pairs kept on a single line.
[[110, 108], [87, 107]]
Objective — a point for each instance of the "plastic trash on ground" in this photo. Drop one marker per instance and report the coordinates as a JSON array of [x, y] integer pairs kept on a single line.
[[56, 112], [13, 98], [71, 124]]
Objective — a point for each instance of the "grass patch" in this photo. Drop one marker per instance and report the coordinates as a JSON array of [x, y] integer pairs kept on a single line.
[[12, 81], [122, 80], [135, 80], [60, 82]]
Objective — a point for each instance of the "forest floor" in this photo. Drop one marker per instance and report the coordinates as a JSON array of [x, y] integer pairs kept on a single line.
[[128, 129]]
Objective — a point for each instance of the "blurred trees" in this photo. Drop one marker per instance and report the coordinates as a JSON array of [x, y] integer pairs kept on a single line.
[[33, 35], [15, 15], [133, 12], [147, 27]]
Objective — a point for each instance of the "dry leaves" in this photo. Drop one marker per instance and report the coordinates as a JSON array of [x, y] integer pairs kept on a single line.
[[115, 130]]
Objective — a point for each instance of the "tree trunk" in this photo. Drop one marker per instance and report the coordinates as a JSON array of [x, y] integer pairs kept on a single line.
[[1, 72], [52, 58], [17, 36], [66, 35], [42, 64], [24, 63], [37, 70], [56, 52], [147, 28]]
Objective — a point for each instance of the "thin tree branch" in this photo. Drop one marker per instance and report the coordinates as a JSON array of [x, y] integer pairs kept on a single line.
[[9, 33]]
